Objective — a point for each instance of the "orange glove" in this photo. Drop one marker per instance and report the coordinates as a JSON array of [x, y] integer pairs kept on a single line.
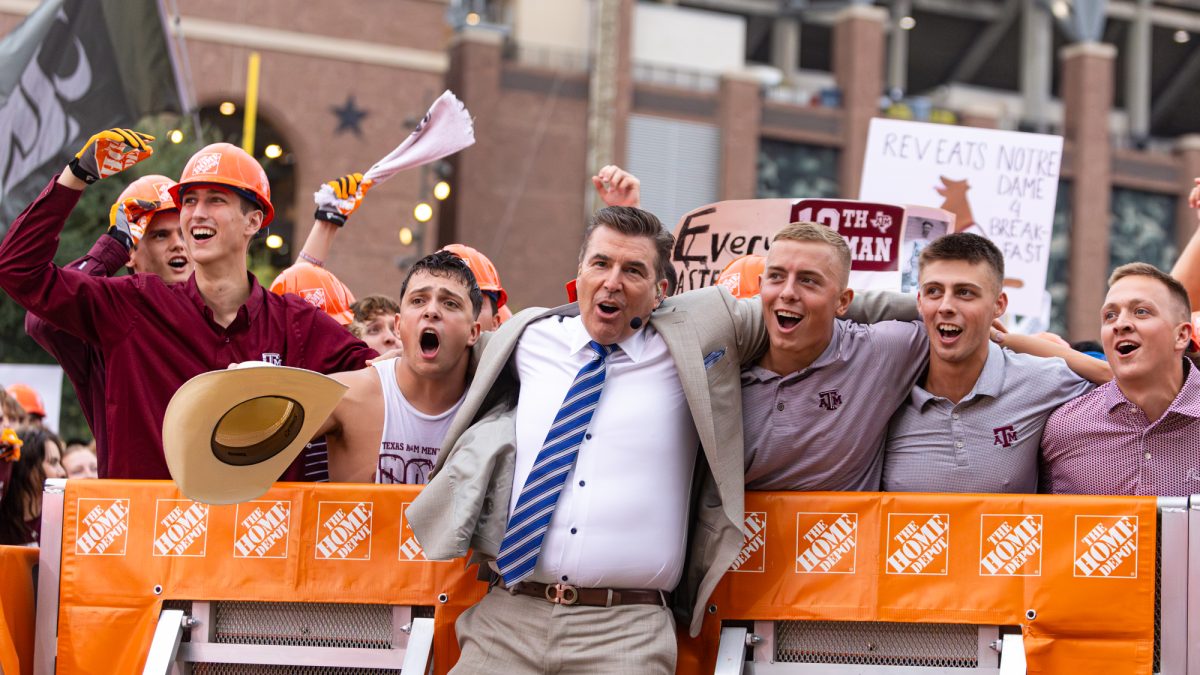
[[338, 198], [131, 217], [10, 445], [110, 152]]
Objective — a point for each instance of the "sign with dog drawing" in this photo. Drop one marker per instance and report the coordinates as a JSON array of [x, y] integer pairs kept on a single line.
[[999, 184]]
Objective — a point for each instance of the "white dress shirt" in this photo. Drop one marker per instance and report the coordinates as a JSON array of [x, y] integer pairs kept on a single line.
[[622, 518]]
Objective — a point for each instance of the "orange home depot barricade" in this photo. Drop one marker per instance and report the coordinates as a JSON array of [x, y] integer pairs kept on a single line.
[[130, 547], [1077, 574], [16, 609]]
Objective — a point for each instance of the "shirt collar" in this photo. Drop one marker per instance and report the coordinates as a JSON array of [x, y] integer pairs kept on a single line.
[[633, 346], [250, 310], [832, 354], [1187, 401], [990, 381]]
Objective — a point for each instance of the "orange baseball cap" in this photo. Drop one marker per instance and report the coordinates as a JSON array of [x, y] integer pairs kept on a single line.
[[227, 165], [319, 287], [743, 275], [29, 399]]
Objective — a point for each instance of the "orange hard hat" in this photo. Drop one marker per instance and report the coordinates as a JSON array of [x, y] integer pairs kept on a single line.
[[503, 314], [483, 269], [29, 399], [319, 287], [230, 166], [742, 275]]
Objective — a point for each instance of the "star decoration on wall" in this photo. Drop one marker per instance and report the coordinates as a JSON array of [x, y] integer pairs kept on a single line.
[[350, 116]]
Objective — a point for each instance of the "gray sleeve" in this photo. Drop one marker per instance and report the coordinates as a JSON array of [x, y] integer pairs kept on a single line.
[[876, 306], [1062, 384]]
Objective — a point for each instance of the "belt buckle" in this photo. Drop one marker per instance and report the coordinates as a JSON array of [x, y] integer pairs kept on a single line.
[[562, 594]]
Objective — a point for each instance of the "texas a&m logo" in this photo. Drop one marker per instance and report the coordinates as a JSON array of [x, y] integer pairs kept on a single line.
[[344, 530], [1010, 545], [102, 526], [826, 543], [272, 358], [261, 529], [918, 543], [1004, 436], [1106, 546], [753, 556], [180, 528], [830, 400]]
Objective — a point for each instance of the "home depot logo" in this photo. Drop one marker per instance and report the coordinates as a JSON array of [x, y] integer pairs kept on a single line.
[[180, 528], [206, 163], [344, 530], [261, 529], [314, 297], [753, 556], [1010, 545], [918, 543], [102, 526], [1106, 546], [826, 543], [410, 548]]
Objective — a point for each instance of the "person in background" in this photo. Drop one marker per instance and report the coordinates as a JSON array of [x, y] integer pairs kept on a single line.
[[495, 298], [376, 317], [31, 403], [12, 414], [21, 505], [79, 461], [743, 275]]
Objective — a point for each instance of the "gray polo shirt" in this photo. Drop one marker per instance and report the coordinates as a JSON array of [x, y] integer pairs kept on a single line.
[[989, 441], [822, 428]]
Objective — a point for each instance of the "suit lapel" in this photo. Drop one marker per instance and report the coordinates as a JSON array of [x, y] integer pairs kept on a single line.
[[685, 350]]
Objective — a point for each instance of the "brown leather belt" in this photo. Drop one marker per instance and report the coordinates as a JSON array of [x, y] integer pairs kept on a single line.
[[565, 594]]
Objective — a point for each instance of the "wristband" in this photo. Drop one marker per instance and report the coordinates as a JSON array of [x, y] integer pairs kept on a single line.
[[311, 259], [80, 173], [123, 237]]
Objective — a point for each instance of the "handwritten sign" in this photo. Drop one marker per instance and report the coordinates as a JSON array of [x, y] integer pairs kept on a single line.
[[999, 184], [710, 237]]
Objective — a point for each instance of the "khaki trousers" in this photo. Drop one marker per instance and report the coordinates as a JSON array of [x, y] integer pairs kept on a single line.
[[507, 633]]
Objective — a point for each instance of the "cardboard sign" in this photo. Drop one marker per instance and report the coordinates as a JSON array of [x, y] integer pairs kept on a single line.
[[999, 184], [710, 237]]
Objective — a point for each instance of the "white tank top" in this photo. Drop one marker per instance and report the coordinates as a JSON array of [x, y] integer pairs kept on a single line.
[[411, 439]]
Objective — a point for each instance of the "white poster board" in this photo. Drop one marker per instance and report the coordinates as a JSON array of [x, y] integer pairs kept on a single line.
[[45, 380], [1000, 184]]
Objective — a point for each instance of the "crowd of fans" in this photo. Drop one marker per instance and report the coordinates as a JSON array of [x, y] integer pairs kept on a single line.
[[839, 391]]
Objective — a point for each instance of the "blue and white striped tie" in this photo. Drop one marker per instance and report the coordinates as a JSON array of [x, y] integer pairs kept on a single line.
[[535, 506]]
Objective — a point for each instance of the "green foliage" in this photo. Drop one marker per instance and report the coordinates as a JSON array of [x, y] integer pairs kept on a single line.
[[88, 221]]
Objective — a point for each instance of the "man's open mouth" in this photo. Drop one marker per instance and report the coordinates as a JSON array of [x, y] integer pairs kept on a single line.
[[949, 330], [430, 342], [202, 233], [178, 262], [788, 320], [607, 309], [1126, 347]]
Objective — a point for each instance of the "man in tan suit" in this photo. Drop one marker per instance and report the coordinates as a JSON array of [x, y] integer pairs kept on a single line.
[[621, 541]]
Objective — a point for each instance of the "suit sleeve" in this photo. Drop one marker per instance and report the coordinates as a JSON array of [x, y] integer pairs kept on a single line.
[[877, 306], [92, 308], [106, 257]]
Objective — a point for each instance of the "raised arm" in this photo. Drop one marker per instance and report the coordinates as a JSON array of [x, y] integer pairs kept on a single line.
[[336, 200], [1187, 267]]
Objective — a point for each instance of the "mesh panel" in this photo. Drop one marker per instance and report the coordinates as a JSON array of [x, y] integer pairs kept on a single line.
[[245, 669], [303, 624], [878, 644]]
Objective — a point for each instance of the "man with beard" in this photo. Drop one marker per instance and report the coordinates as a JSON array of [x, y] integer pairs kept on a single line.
[[389, 426]]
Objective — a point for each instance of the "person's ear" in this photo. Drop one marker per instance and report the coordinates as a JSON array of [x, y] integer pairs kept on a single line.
[[844, 301], [1001, 305]]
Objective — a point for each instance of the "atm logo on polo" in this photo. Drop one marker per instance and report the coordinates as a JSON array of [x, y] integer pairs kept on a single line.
[[262, 529], [344, 530], [1106, 546], [826, 543], [753, 556], [918, 543], [180, 528], [1010, 545], [102, 526]]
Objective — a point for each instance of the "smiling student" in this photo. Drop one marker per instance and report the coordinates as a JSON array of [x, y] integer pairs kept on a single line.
[[1138, 434], [154, 336]]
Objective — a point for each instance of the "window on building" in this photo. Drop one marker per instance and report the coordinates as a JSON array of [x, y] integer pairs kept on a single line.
[[787, 169], [1143, 228], [678, 162], [1058, 274]]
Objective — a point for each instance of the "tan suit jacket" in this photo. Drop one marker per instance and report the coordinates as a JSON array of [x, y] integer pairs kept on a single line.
[[465, 505]]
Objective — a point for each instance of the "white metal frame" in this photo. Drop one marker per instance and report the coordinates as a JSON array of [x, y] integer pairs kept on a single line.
[[45, 649]]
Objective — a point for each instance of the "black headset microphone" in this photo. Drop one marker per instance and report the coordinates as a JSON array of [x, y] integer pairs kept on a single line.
[[636, 322]]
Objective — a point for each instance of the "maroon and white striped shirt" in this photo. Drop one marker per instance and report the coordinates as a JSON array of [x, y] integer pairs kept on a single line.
[[1101, 443]]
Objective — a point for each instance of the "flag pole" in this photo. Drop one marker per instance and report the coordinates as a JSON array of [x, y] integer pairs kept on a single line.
[[250, 112]]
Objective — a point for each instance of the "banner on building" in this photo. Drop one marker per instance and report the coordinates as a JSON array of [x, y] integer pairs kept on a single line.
[[999, 184], [72, 68], [710, 237]]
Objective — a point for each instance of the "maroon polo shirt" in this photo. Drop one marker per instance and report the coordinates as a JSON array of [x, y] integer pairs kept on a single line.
[[154, 337], [82, 362]]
